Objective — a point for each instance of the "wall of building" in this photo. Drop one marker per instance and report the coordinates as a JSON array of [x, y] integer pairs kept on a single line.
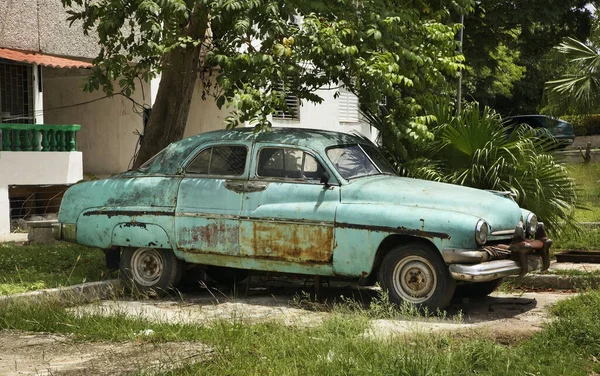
[[325, 116], [41, 25], [107, 137], [204, 114], [35, 168]]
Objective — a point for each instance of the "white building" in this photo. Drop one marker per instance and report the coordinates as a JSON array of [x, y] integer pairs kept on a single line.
[[43, 64]]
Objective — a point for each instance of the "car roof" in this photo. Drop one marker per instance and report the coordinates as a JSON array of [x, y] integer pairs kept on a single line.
[[291, 136], [315, 139]]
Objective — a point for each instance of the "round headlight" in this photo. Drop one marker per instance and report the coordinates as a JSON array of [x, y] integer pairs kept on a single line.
[[531, 224], [481, 232]]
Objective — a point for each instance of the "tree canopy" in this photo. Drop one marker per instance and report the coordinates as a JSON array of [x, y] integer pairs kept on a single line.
[[258, 51], [507, 44]]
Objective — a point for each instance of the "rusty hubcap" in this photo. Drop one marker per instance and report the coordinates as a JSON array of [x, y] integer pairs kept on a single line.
[[414, 279], [146, 266]]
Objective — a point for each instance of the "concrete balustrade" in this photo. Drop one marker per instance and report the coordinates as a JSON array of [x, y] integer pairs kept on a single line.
[[38, 137], [36, 154]]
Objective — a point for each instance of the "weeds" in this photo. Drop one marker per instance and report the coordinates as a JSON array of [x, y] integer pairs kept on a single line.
[[33, 267], [339, 344]]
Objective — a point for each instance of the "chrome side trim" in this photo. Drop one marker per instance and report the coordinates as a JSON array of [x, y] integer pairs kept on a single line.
[[298, 221], [488, 271], [503, 232], [468, 256], [207, 215]]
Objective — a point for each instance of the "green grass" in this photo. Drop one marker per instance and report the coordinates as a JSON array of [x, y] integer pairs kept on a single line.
[[566, 346], [587, 178], [33, 267], [585, 238]]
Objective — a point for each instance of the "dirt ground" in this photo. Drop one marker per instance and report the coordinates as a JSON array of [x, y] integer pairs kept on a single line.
[[581, 141], [503, 317]]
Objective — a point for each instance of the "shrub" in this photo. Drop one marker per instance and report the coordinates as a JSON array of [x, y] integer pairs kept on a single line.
[[474, 150], [584, 125]]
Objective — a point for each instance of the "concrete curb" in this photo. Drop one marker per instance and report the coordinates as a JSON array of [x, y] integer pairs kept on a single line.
[[82, 293], [556, 282], [94, 291]]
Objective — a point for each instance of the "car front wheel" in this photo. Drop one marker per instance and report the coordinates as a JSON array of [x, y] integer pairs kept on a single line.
[[150, 270], [415, 273]]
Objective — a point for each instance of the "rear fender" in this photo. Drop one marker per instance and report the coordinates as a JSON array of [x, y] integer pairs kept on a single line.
[[139, 234]]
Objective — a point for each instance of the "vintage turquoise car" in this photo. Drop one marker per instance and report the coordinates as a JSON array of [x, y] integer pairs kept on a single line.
[[305, 202]]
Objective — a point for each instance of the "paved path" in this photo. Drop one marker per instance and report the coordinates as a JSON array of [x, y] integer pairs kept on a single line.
[[20, 237]]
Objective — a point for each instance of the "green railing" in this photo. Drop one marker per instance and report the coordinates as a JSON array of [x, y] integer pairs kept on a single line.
[[38, 137]]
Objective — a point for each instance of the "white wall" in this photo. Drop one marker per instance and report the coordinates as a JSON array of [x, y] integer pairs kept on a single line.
[[35, 168], [325, 116], [4, 210], [204, 114], [107, 137]]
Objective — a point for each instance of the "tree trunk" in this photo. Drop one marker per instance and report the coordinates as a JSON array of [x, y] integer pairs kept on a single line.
[[179, 75]]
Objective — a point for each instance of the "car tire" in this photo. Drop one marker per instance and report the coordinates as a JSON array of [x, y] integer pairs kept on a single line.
[[478, 290], [226, 276], [151, 271], [416, 273]]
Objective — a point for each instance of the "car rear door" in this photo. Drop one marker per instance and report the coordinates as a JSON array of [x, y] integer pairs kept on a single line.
[[209, 200], [288, 214]]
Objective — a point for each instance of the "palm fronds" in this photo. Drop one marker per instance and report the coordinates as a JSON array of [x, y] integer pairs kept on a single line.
[[579, 91], [476, 149]]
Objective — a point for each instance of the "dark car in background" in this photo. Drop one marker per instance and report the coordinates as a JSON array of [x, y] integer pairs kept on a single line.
[[559, 129]]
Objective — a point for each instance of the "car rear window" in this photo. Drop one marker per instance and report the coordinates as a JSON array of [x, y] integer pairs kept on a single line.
[[220, 160]]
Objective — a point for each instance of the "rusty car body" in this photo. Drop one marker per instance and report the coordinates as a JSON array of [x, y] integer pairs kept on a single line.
[[306, 202]]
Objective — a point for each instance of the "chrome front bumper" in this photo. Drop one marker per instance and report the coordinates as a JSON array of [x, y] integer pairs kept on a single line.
[[518, 258], [488, 271]]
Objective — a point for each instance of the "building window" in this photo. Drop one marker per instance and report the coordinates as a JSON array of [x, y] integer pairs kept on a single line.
[[292, 112], [16, 93], [348, 110]]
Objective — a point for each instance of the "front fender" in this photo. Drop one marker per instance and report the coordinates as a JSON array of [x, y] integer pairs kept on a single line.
[[361, 228]]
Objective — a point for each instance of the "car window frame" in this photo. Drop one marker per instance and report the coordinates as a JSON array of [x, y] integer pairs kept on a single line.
[[196, 153], [258, 147]]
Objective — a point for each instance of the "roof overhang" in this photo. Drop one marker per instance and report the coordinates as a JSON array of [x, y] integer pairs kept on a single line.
[[42, 59]]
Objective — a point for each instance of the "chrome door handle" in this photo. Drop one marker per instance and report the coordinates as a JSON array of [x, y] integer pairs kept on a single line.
[[256, 186], [235, 185]]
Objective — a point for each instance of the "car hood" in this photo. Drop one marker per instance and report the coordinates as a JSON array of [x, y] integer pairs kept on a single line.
[[497, 209]]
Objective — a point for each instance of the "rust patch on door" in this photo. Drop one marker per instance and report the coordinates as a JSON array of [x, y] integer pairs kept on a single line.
[[216, 237], [287, 241]]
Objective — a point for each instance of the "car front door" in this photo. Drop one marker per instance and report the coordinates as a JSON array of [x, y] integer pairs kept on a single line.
[[288, 213], [210, 200]]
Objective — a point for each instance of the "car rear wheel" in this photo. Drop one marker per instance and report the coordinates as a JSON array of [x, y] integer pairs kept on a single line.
[[150, 270], [415, 273]]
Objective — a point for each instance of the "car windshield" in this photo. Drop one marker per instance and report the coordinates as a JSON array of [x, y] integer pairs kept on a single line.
[[354, 161]]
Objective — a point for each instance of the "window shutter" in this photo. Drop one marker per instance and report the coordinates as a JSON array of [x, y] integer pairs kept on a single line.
[[292, 112], [348, 110]]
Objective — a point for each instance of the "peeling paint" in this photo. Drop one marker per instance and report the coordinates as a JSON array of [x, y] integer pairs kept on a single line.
[[396, 230]]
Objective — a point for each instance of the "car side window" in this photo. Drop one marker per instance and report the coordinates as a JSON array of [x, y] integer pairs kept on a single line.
[[220, 160], [288, 163]]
